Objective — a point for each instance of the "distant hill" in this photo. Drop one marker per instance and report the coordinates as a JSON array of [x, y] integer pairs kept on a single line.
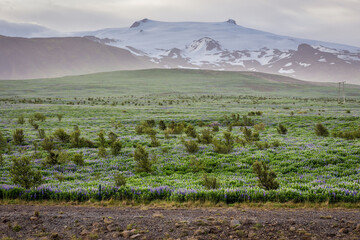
[[23, 58], [170, 82]]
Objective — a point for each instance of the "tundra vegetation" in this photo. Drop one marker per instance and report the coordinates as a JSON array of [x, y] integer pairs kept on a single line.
[[180, 147]]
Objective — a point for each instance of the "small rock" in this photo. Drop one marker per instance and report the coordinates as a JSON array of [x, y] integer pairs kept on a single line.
[[343, 230], [247, 222], [234, 223], [199, 232], [84, 232], [96, 224], [135, 236], [115, 235], [158, 215], [357, 228], [54, 236], [251, 234], [292, 229], [111, 227], [177, 225], [126, 234], [108, 221], [34, 218]]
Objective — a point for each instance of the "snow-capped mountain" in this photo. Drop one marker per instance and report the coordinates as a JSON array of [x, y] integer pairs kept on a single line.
[[219, 46], [228, 46]]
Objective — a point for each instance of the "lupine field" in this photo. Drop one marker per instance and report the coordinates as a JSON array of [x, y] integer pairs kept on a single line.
[[309, 167]]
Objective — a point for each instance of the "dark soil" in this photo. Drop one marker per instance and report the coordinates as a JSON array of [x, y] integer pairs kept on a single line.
[[79, 222]]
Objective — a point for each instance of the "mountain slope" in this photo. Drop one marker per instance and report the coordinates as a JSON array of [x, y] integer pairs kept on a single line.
[[228, 46], [23, 58], [167, 82]]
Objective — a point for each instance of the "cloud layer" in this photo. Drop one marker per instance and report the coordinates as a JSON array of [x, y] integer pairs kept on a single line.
[[327, 20]]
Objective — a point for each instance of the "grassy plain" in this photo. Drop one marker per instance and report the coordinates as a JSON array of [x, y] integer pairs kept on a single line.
[[309, 167]]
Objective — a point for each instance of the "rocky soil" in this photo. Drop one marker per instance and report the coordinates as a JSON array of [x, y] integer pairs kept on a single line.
[[79, 222]]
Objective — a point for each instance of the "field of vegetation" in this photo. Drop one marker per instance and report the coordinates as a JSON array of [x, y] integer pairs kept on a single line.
[[181, 136]]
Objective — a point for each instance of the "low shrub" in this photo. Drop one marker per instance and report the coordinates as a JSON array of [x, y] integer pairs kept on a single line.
[[78, 159], [191, 131], [21, 120], [143, 162], [210, 182], [116, 147], [120, 180], [281, 129], [61, 135], [321, 130], [191, 146], [18, 137], [206, 136], [39, 117], [266, 176], [21, 173]]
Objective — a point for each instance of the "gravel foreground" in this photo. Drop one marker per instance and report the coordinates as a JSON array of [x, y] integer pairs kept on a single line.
[[79, 222]]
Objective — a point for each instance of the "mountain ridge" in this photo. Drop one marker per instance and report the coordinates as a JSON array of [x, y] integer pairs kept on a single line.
[[227, 46]]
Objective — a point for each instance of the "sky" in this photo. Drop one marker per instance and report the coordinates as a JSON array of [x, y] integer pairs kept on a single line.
[[326, 20]]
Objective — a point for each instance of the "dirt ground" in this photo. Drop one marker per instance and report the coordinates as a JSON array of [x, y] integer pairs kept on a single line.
[[84, 222]]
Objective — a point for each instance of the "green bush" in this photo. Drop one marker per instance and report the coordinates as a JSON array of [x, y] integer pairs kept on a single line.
[[321, 130], [75, 139], [281, 129], [266, 176], [151, 123], [59, 116], [162, 125], [79, 142], [78, 159], [176, 128], [18, 137], [39, 117], [2, 161], [3, 142], [191, 146], [61, 135], [52, 158], [191, 131], [41, 133], [221, 147], [154, 141], [21, 120], [210, 182], [101, 139], [349, 134], [112, 138], [262, 145], [120, 180], [141, 157], [48, 144], [196, 165], [206, 136], [116, 147], [21, 173], [102, 152], [249, 135]]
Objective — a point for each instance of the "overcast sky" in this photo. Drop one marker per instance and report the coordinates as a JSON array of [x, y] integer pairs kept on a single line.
[[327, 20]]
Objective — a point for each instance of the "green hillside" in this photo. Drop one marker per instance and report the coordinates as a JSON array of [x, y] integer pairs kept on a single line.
[[174, 81]]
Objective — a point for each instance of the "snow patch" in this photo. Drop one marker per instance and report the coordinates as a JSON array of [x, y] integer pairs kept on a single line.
[[289, 71], [304, 64]]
